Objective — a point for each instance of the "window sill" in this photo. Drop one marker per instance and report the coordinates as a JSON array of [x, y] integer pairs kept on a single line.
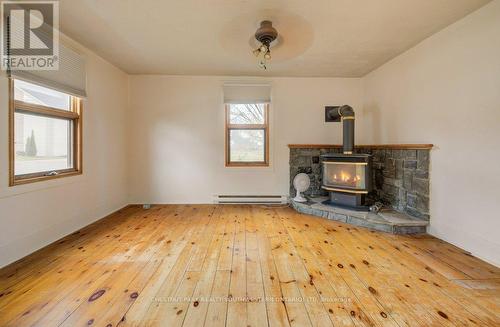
[[28, 180], [247, 165]]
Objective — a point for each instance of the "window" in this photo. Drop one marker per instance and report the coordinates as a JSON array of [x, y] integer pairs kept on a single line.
[[247, 134], [45, 133]]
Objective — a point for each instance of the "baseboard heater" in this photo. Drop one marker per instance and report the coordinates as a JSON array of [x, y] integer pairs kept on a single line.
[[250, 199]]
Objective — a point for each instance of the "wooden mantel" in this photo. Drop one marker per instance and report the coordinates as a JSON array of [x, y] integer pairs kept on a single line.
[[365, 146]]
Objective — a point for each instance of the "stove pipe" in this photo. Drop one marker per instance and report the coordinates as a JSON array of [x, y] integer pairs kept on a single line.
[[346, 114]]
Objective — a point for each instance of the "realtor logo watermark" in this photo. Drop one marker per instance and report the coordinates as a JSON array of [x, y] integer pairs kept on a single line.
[[30, 35]]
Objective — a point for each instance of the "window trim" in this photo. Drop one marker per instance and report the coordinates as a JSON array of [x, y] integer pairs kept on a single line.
[[74, 114], [227, 130]]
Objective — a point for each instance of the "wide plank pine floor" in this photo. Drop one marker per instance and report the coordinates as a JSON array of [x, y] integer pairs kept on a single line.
[[235, 265]]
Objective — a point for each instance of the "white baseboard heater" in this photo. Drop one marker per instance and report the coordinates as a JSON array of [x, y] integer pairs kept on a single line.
[[250, 199]]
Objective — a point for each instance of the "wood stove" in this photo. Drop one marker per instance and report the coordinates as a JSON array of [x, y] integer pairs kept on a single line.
[[346, 176]]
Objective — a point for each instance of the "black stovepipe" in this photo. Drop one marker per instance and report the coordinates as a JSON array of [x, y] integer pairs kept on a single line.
[[346, 113]]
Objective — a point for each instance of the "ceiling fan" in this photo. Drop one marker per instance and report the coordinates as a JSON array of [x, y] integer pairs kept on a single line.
[[265, 34]]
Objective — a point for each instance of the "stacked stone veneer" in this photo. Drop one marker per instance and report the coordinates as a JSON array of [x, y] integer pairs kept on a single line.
[[400, 176]]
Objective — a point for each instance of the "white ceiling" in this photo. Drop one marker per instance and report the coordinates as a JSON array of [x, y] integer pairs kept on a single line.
[[335, 38]]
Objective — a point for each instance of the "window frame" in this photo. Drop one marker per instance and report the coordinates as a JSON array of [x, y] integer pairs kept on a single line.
[[229, 127], [74, 115]]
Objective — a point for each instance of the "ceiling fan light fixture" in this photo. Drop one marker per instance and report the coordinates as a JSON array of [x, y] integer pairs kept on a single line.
[[265, 34]]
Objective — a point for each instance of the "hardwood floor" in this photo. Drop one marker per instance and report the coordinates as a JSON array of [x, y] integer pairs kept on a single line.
[[245, 266]]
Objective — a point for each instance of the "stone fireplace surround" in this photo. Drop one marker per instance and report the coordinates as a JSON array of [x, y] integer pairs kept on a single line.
[[400, 176]]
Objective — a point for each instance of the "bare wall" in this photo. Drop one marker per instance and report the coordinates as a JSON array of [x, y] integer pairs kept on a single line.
[[34, 215], [446, 91], [176, 134]]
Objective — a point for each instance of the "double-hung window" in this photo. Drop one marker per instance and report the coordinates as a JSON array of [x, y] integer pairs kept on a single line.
[[247, 134], [46, 133], [247, 124]]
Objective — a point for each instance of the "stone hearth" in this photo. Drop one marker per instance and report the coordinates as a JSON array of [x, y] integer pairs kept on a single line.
[[387, 220]]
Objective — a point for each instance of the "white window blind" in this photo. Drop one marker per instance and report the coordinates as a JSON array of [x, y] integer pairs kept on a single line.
[[69, 78], [247, 93]]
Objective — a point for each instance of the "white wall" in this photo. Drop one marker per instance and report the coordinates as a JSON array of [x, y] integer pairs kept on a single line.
[[37, 214], [176, 134], [446, 91]]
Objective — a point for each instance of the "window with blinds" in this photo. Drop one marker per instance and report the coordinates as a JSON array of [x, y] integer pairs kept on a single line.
[[246, 125], [45, 120]]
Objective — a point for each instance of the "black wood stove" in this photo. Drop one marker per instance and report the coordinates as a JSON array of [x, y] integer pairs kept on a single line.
[[346, 176]]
